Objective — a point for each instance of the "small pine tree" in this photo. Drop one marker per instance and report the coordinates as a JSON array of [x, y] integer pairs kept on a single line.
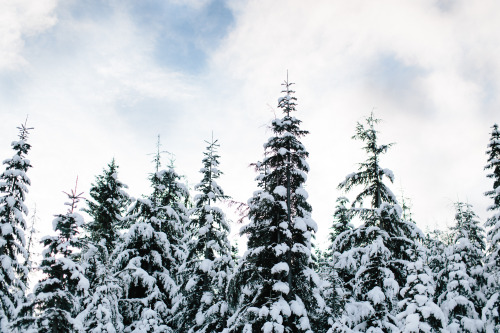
[[14, 271], [101, 313], [417, 311], [57, 295], [463, 274], [338, 289], [209, 264], [148, 255], [275, 287], [491, 312]]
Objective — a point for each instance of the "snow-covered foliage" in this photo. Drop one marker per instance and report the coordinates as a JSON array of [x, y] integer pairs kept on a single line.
[[13, 256], [106, 209], [149, 254], [101, 313], [463, 299], [109, 203], [57, 295], [337, 289], [417, 311], [203, 305], [275, 288], [491, 313], [373, 258]]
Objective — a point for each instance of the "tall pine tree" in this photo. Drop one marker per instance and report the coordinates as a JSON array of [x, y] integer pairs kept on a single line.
[[13, 271], [208, 266], [275, 288], [106, 209], [379, 245], [491, 312]]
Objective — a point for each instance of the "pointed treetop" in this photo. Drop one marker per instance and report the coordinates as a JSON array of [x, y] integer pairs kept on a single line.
[[24, 130], [157, 155], [287, 103], [74, 197]]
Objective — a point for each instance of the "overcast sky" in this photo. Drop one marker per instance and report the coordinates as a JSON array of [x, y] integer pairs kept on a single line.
[[101, 79]]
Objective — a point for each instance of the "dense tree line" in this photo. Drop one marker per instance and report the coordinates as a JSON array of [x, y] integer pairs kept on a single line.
[[164, 263]]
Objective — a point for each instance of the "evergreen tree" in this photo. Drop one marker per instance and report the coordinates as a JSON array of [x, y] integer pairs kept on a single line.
[[463, 299], [491, 313], [418, 311], [106, 209], [209, 264], [378, 249], [108, 204], [275, 288], [13, 271], [101, 313], [57, 295], [338, 288], [149, 254], [435, 242]]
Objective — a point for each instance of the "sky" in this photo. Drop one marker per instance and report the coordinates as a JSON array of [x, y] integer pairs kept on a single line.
[[102, 79]]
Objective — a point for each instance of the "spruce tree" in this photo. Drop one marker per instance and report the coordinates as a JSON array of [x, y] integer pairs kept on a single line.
[[491, 312], [14, 258], [109, 203], [106, 209], [57, 295], [275, 288], [149, 254], [102, 313], [379, 247], [338, 289], [463, 299], [418, 313], [203, 306]]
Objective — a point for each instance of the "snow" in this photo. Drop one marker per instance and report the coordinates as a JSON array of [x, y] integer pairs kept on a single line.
[[376, 295], [280, 267], [280, 191], [302, 192], [281, 287], [206, 265]]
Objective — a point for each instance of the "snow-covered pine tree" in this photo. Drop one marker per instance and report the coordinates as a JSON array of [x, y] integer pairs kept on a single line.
[[14, 271], [57, 295], [106, 209], [203, 307], [149, 254], [491, 312], [463, 299], [338, 288], [101, 313], [379, 245], [109, 203], [435, 243], [418, 313], [275, 287]]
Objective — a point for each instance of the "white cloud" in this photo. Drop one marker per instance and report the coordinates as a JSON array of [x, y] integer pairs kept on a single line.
[[94, 89], [332, 48], [19, 20]]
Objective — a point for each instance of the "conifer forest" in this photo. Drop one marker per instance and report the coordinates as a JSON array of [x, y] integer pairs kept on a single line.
[[164, 262]]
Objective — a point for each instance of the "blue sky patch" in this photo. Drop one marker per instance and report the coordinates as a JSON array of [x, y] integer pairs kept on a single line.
[[184, 35]]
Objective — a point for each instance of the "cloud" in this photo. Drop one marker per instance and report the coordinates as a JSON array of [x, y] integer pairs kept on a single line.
[[103, 79], [20, 20], [428, 68]]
